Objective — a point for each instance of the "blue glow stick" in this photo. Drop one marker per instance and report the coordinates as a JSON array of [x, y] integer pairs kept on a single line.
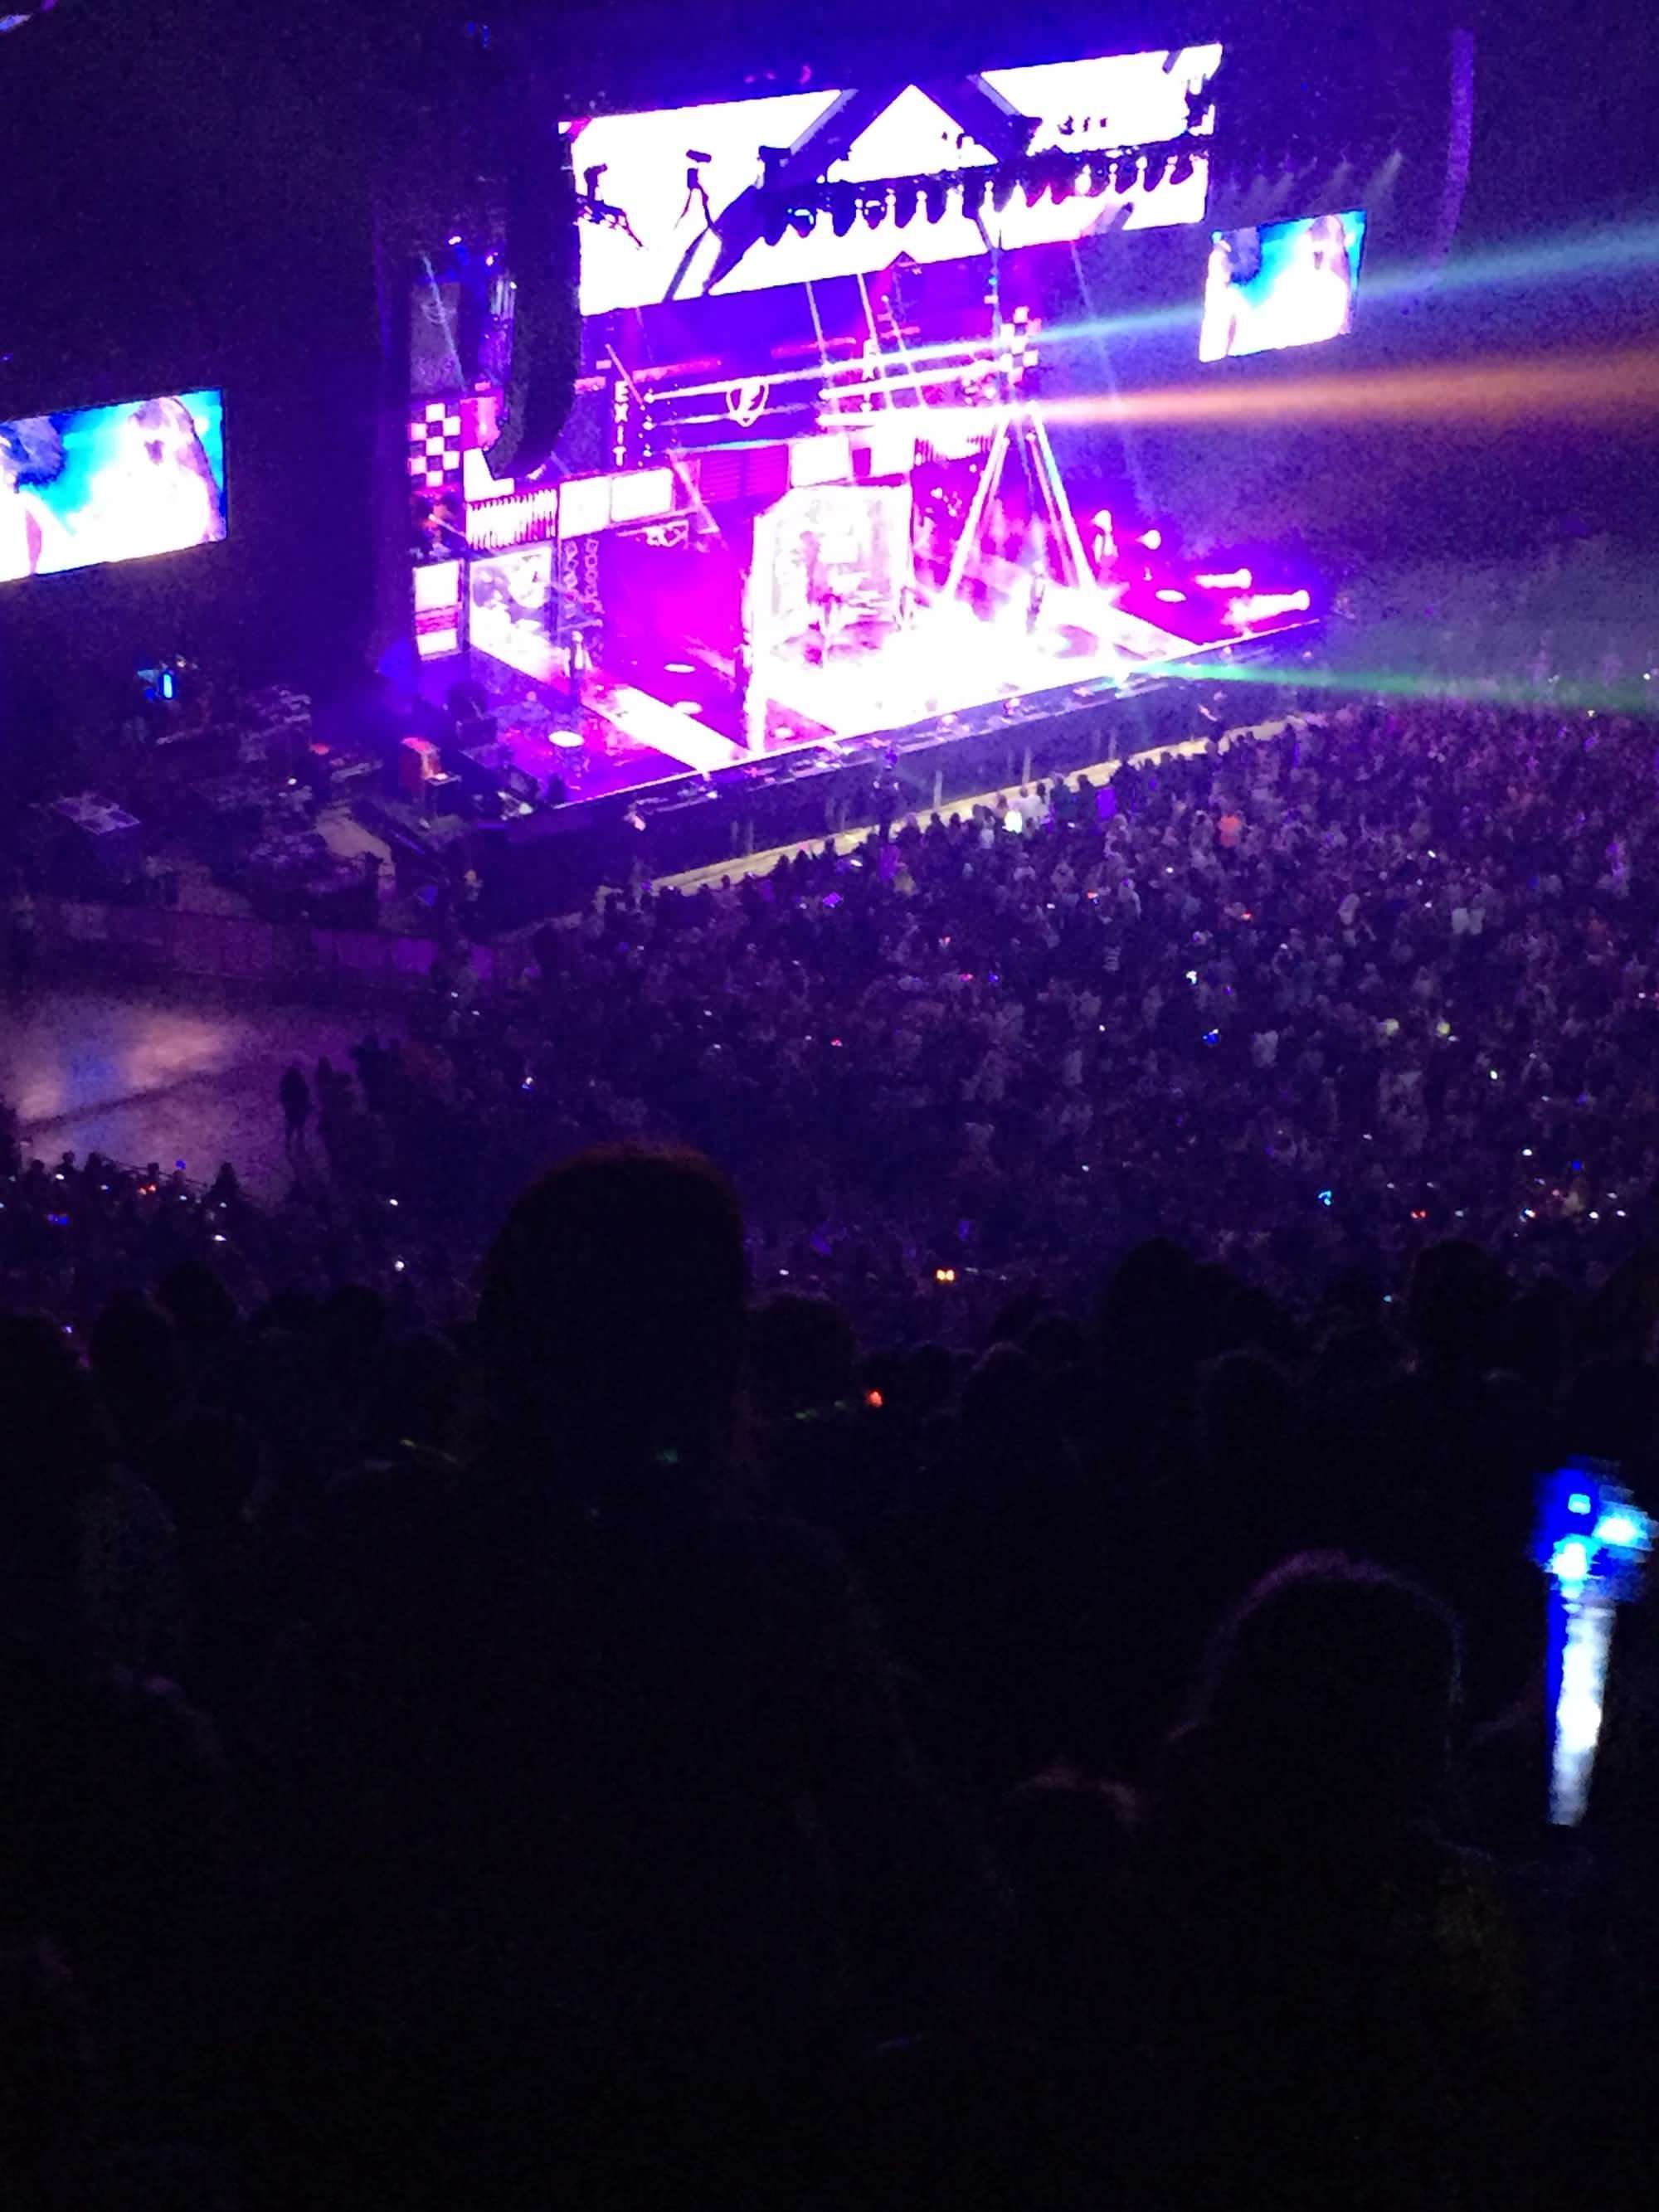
[[1592, 1541]]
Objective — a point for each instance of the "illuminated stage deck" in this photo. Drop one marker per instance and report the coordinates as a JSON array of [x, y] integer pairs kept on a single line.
[[648, 727]]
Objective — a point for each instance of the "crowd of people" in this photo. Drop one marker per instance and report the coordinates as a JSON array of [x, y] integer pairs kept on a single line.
[[982, 1651], [1305, 1002]]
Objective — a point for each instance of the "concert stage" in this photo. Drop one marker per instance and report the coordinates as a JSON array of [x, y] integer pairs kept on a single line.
[[812, 505]]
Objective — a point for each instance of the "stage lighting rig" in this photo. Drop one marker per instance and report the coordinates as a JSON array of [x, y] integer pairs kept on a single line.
[[1180, 169], [1125, 172], [873, 208], [936, 198], [1003, 191], [802, 222], [842, 204], [906, 199]]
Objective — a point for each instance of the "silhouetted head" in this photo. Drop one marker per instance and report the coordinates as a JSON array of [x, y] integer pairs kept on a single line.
[[1323, 1706], [803, 1354], [612, 1310], [57, 1443], [202, 1309], [134, 1351], [1456, 1305]]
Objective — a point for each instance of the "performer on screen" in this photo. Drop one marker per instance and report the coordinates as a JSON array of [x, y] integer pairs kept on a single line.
[[31, 538], [1314, 296], [159, 494]]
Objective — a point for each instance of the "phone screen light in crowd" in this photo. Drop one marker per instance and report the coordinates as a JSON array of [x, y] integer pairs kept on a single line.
[[1590, 1573], [1212, 1036], [398, 1265], [1324, 1197], [944, 1274]]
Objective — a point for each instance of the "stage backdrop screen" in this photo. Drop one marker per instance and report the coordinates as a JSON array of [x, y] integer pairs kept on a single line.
[[673, 206], [110, 484], [1283, 284]]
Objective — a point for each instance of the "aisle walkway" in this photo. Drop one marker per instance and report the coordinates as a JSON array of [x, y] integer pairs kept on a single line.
[[144, 1077]]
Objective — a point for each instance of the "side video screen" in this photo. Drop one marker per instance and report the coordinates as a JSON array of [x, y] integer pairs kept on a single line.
[[1282, 284], [110, 484]]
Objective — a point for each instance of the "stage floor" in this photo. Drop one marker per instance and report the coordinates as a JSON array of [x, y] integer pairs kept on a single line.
[[649, 725]]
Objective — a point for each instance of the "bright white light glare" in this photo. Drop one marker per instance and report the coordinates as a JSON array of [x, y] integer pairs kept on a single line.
[[1572, 1561], [1617, 1528], [1578, 1502], [1579, 1711]]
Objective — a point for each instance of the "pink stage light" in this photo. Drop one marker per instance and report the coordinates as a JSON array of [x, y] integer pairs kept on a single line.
[[1152, 540], [1265, 606], [1173, 598], [1240, 581], [678, 668]]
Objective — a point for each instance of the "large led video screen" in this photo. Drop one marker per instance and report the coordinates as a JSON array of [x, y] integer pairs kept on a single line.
[[103, 484], [1282, 284], [674, 201]]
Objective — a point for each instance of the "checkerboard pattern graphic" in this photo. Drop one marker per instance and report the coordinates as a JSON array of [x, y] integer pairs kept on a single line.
[[436, 443]]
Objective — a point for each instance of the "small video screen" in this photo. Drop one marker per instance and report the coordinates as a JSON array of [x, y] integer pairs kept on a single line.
[[1281, 284]]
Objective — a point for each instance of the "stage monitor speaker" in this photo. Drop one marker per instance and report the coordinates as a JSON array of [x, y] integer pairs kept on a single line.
[[542, 258]]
